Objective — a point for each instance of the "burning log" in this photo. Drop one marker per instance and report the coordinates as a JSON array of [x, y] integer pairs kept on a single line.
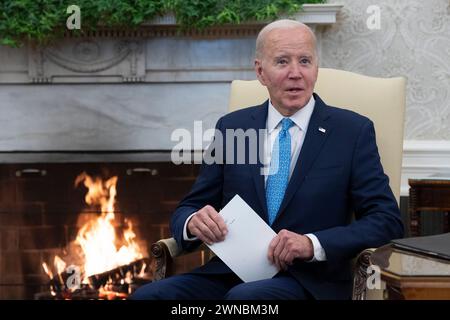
[[135, 269], [117, 283]]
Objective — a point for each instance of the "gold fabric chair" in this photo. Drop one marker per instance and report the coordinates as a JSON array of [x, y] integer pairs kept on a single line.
[[380, 99]]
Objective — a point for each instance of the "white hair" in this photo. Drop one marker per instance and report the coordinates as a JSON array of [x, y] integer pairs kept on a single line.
[[280, 24]]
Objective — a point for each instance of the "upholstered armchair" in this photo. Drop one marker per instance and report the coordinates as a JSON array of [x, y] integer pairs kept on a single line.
[[380, 99]]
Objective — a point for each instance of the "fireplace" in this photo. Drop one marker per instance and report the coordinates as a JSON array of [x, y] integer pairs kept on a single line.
[[41, 212]]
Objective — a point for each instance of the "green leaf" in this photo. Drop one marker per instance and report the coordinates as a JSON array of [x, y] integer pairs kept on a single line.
[[44, 20]]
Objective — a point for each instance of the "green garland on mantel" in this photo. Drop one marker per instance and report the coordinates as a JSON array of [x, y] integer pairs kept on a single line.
[[43, 20]]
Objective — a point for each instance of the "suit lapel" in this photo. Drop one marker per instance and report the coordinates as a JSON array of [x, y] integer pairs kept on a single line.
[[259, 118], [318, 131]]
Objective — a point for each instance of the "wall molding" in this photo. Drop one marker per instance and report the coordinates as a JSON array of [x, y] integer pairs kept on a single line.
[[423, 158], [311, 13], [155, 52]]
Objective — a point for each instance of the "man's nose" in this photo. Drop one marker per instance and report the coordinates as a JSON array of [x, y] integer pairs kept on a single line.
[[295, 71]]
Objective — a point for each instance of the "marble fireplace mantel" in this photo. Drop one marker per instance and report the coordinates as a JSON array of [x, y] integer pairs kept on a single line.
[[117, 95]]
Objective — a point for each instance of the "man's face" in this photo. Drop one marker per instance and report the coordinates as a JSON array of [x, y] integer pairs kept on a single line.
[[288, 68]]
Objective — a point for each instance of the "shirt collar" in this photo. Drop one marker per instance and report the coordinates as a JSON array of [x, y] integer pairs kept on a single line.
[[300, 118]]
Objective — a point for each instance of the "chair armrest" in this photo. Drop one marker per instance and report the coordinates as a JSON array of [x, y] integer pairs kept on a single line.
[[360, 274], [164, 251], [171, 245]]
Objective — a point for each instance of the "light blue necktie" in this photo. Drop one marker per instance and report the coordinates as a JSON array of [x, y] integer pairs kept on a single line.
[[278, 178]]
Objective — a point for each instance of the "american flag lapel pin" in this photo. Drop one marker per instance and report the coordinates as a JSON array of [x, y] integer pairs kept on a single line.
[[322, 130]]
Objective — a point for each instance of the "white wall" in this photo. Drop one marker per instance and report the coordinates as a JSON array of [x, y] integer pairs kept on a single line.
[[414, 42]]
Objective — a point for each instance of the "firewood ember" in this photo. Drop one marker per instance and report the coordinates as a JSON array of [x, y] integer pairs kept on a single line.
[[114, 284]]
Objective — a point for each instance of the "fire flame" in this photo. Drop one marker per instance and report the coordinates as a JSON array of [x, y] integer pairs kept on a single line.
[[60, 265], [97, 238], [102, 250]]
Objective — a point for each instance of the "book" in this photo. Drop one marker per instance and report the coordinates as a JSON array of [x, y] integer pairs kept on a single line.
[[437, 245]]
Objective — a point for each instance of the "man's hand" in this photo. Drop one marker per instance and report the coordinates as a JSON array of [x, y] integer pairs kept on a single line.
[[287, 246], [208, 225]]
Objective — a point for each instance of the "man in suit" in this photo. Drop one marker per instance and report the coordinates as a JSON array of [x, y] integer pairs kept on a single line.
[[327, 169]]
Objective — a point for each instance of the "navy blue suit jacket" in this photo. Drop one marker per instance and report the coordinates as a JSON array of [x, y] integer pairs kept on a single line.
[[338, 177]]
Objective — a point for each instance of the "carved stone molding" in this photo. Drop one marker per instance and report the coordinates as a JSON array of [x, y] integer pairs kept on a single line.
[[157, 51], [88, 60], [163, 31], [165, 26]]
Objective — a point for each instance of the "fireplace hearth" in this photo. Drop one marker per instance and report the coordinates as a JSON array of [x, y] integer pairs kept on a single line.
[[41, 213]]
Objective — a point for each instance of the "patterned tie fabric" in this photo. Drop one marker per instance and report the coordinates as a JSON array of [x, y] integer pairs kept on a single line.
[[277, 180]]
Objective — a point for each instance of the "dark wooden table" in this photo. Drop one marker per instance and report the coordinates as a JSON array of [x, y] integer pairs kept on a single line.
[[411, 276], [428, 195]]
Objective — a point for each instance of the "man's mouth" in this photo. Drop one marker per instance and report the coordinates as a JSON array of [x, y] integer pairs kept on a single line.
[[294, 90]]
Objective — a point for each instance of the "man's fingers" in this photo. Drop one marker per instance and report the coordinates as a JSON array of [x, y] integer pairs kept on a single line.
[[276, 253], [200, 229], [275, 248], [208, 225], [206, 239], [204, 235], [283, 258], [213, 225], [219, 227], [206, 231], [271, 249], [218, 219]]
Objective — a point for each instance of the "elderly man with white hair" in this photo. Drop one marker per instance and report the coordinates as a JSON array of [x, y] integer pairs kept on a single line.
[[327, 170]]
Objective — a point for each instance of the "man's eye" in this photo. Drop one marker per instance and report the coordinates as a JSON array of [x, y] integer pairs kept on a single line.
[[282, 61], [305, 61]]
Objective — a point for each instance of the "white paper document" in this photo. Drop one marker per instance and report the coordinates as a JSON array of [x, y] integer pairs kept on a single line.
[[245, 247]]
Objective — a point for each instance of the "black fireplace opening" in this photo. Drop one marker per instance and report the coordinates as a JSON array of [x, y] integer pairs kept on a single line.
[[42, 212]]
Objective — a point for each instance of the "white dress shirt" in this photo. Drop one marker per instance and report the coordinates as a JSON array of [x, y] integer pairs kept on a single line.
[[298, 131]]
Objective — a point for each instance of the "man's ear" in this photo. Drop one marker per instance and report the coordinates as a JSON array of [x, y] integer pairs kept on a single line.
[[259, 71]]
